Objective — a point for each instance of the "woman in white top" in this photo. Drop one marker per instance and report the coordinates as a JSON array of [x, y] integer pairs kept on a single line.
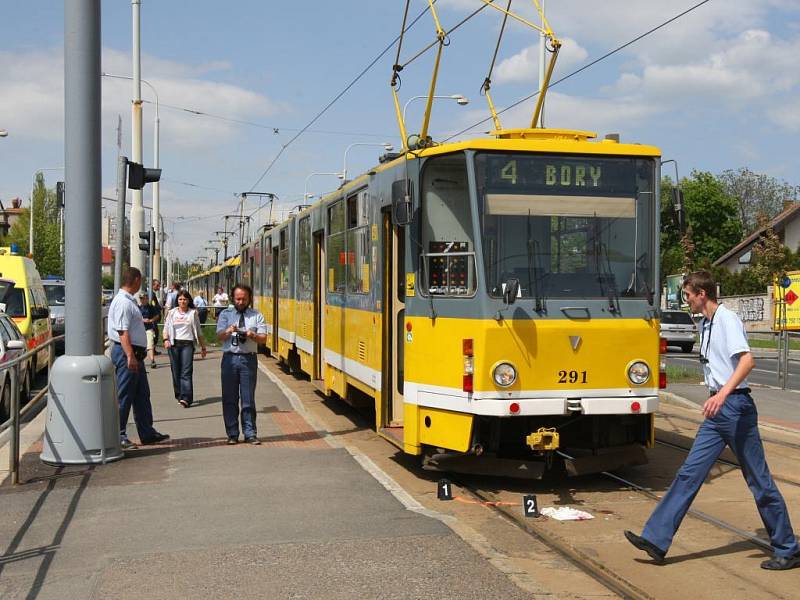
[[181, 333]]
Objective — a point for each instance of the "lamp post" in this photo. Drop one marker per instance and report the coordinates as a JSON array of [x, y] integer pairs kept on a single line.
[[30, 225], [385, 145], [310, 175], [156, 216], [460, 100]]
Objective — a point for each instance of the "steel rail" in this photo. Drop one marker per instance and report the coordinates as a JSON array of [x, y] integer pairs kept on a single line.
[[581, 560]]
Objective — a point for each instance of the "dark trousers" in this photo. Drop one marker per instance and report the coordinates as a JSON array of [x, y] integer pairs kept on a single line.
[[181, 361], [133, 391], [202, 314], [735, 425], [239, 381]]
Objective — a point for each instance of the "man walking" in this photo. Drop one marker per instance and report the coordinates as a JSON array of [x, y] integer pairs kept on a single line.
[[730, 419], [126, 331], [241, 329], [170, 301]]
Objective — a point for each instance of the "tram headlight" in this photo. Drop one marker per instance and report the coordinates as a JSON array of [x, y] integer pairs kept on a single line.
[[638, 372], [504, 374]]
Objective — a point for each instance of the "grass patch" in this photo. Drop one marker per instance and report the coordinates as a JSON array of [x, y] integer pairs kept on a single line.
[[773, 344], [677, 374]]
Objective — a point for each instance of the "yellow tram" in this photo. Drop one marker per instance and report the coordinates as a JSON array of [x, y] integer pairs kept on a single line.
[[494, 299]]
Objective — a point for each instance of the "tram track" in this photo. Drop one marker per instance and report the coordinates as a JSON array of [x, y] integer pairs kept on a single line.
[[614, 581], [766, 440]]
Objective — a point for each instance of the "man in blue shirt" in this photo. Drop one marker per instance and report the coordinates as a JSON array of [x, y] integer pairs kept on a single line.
[[730, 420], [241, 330], [126, 331]]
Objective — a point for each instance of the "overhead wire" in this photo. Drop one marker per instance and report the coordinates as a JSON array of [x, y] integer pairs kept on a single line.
[[585, 67], [333, 101], [276, 129]]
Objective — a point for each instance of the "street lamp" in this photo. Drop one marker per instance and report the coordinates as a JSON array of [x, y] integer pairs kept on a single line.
[[306, 195], [385, 145], [460, 100], [156, 189]]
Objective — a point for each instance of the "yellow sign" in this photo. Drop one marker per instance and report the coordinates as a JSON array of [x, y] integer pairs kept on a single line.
[[410, 284], [788, 298]]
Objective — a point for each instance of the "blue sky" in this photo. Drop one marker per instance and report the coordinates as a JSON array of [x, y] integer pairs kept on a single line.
[[717, 89]]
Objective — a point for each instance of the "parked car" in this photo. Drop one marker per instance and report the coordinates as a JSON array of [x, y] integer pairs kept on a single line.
[[12, 345], [55, 290], [108, 296], [678, 328], [26, 304]]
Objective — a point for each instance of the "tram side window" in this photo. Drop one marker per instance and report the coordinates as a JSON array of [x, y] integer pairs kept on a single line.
[[447, 234], [358, 243], [267, 270], [337, 258], [256, 275], [304, 259], [283, 260]]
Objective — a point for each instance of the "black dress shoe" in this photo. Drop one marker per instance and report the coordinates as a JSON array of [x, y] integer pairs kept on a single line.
[[253, 440], [157, 438], [232, 441], [656, 553], [781, 563]]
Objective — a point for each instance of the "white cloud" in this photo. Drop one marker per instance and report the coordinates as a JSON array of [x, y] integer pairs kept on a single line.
[[33, 95], [524, 66]]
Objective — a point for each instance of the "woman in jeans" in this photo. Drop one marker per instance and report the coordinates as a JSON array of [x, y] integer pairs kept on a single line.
[[181, 333]]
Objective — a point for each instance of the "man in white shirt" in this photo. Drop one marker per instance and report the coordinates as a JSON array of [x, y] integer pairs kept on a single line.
[[126, 331], [220, 301], [730, 420], [172, 296]]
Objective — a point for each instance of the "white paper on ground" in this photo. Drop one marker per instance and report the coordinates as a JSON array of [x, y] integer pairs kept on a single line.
[[565, 513]]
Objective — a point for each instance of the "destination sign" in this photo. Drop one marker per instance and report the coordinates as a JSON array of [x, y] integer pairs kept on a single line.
[[541, 174]]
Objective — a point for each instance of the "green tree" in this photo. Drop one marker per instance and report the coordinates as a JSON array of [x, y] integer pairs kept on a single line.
[[713, 216], [758, 196], [46, 230]]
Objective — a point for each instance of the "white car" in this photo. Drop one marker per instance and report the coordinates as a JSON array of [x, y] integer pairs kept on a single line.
[[678, 328], [12, 345]]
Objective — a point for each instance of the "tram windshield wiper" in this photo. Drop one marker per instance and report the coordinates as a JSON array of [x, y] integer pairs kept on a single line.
[[534, 270], [606, 278]]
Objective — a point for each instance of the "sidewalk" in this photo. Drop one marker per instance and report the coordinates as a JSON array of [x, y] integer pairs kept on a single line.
[[193, 517], [775, 406]]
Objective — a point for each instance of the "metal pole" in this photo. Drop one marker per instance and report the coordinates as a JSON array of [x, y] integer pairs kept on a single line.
[[13, 457], [156, 214], [137, 210], [119, 245], [30, 225], [542, 63], [83, 173]]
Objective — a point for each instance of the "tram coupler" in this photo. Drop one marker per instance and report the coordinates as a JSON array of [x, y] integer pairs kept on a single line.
[[543, 440]]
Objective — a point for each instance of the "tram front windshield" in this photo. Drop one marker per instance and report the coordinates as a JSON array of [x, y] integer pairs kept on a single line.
[[567, 226]]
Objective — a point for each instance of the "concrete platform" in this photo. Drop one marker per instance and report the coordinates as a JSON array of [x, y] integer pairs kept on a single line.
[[193, 517]]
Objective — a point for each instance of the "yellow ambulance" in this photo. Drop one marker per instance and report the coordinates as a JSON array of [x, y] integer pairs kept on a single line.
[[26, 304]]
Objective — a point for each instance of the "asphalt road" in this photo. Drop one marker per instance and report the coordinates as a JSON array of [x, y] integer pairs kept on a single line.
[[764, 372]]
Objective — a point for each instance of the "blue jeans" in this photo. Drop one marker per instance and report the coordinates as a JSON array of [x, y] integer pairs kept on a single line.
[[181, 361], [239, 381], [735, 425], [132, 391]]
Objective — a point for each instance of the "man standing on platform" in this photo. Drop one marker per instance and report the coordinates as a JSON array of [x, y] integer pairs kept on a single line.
[[730, 420], [126, 331], [241, 330]]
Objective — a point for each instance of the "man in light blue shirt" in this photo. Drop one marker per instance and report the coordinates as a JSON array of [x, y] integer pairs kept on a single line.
[[241, 330], [730, 420], [126, 331]]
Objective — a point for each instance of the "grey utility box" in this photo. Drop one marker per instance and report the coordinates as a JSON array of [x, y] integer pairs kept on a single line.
[[82, 412]]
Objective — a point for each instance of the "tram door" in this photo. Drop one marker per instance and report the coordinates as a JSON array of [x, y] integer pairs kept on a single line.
[[319, 297], [393, 303], [276, 284]]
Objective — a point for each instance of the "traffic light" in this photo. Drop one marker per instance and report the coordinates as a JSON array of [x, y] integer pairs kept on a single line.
[[60, 193], [148, 240], [139, 175]]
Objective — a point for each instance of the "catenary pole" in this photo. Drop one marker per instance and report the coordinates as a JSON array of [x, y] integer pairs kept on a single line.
[[119, 245], [137, 210], [83, 174]]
